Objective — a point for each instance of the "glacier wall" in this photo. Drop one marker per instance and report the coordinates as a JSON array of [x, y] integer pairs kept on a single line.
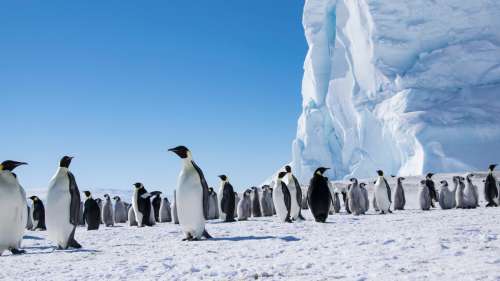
[[404, 86]]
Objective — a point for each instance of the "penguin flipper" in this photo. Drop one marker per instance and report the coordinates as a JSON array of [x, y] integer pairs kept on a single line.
[[388, 190], [288, 198], [74, 210], [204, 186]]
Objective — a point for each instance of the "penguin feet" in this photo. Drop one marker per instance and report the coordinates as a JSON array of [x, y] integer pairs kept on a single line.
[[288, 220], [15, 251], [189, 237], [73, 244], [390, 212], [206, 235]]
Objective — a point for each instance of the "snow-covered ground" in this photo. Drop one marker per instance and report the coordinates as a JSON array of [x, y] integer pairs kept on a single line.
[[406, 245]]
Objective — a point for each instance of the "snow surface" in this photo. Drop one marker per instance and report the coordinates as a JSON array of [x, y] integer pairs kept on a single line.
[[403, 86], [407, 245]]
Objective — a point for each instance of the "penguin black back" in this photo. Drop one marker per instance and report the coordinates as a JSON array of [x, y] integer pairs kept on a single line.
[[490, 188], [318, 195], [228, 201]]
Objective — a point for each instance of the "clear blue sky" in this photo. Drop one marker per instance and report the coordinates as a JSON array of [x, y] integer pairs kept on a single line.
[[117, 83]]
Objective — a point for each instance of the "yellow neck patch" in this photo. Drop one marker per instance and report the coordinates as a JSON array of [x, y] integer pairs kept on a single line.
[[1, 167]]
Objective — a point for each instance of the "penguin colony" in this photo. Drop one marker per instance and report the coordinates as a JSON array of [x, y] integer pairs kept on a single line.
[[194, 202]]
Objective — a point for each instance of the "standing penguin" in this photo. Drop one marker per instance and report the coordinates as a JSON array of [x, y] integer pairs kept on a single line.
[[318, 195], [459, 192], [266, 201], [121, 213], [13, 211], [156, 201], [63, 207], [296, 193], [91, 212], [282, 199], [491, 188], [424, 196], [383, 193], [245, 206], [99, 204], [471, 193], [227, 200], [345, 198], [255, 199], [142, 205], [175, 218], [364, 191], [336, 202], [132, 221], [432, 188], [38, 214], [446, 196], [213, 203], [192, 197], [356, 199], [107, 211], [165, 212], [399, 195]]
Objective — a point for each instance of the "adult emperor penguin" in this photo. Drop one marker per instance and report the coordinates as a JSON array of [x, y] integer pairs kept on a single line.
[[13, 211], [296, 193], [121, 213], [424, 196], [383, 193], [491, 188], [175, 218], [165, 212], [192, 197], [142, 205], [459, 192], [227, 202], [63, 206], [38, 214], [213, 203], [356, 199], [156, 201], [282, 199], [318, 195], [91, 212], [399, 195], [364, 191], [432, 188], [266, 201], [446, 196], [245, 206], [107, 211], [471, 193], [255, 199]]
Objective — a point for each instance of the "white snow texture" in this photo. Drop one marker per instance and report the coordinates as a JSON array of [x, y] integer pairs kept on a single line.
[[403, 86]]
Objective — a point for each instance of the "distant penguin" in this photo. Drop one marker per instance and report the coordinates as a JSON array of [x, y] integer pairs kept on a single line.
[[255, 200], [336, 202], [107, 211], [432, 188], [91, 212], [459, 192], [304, 200], [13, 209], [156, 201], [227, 200], [245, 206], [364, 191], [142, 205], [99, 204], [121, 213], [471, 193], [192, 197], [165, 212], [424, 196], [491, 188], [175, 218], [399, 195], [296, 193], [446, 196], [383, 193], [345, 199], [213, 204], [38, 214], [356, 199], [132, 221], [63, 207], [152, 220], [236, 201], [318, 195], [282, 199], [266, 201]]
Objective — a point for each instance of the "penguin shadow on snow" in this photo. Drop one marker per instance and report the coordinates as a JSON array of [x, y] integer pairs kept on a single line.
[[253, 238], [29, 237]]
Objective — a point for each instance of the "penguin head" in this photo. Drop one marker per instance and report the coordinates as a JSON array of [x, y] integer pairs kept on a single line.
[[444, 182], [106, 196], [492, 167], [319, 171], [181, 151], [281, 175], [380, 173], [87, 193], [247, 192], [362, 184], [65, 161], [98, 200], [117, 198], [223, 177], [155, 193], [429, 175], [10, 165], [353, 180], [210, 190], [288, 169], [34, 198], [138, 185], [401, 179], [265, 187], [422, 182]]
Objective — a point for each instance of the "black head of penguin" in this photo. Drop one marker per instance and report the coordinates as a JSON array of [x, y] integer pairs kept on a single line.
[[223, 177], [492, 167], [117, 198], [106, 196], [401, 179], [181, 151], [65, 161], [443, 182], [281, 175], [288, 169], [10, 165], [422, 182], [320, 171], [34, 198], [362, 184], [353, 180], [429, 175], [247, 193], [138, 185], [380, 173], [87, 193]]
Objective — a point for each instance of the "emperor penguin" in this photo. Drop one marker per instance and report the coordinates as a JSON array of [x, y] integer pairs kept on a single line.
[[345, 198], [356, 198], [13, 209], [213, 204], [446, 196], [63, 206], [165, 212], [383, 193], [318, 195], [142, 205], [491, 188], [191, 197], [336, 202], [266, 201], [132, 221], [156, 201], [424, 196], [107, 211], [38, 214], [459, 192], [99, 204], [236, 201], [245, 206], [296, 193], [121, 213], [91, 212], [432, 188], [282, 199], [471, 193], [364, 191], [255, 200], [399, 195], [227, 202], [175, 218]]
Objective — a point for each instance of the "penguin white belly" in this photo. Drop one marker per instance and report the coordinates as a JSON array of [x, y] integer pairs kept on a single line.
[[381, 196], [59, 227], [13, 214], [294, 207], [189, 199], [135, 206], [279, 203]]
